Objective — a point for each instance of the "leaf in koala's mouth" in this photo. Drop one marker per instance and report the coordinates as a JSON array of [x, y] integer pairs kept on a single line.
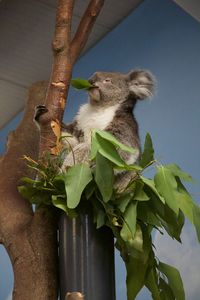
[[81, 84]]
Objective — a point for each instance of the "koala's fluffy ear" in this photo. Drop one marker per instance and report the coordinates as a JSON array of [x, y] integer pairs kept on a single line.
[[141, 83]]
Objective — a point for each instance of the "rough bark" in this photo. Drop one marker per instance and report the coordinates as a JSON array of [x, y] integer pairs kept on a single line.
[[29, 238]]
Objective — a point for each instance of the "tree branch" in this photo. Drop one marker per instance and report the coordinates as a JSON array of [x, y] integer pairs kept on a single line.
[[85, 27], [60, 76], [65, 54]]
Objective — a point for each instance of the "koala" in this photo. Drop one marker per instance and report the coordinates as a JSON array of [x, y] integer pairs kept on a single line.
[[110, 107]]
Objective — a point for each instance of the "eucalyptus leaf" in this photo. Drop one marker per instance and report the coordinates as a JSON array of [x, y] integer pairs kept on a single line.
[[104, 177], [176, 170], [148, 153], [196, 215], [150, 183], [76, 179], [166, 291], [136, 273], [151, 283], [112, 139], [140, 194], [90, 189], [174, 279], [166, 185], [106, 149], [137, 242], [123, 201], [26, 191], [59, 201], [31, 181], [100, 218], [147, 215], [127, 232], [184, 200], [80, 83], [169, 220]]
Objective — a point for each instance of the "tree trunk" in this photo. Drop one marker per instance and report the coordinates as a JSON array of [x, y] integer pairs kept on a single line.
[[30, 239], [33, 254]]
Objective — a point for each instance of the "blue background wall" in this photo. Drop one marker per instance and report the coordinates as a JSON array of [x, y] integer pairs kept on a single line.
[[161, 37]]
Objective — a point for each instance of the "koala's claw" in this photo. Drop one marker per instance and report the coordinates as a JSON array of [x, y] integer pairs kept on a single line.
[[39, 110]]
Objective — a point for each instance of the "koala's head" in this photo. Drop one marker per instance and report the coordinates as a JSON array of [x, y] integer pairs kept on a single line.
[[111, 88]]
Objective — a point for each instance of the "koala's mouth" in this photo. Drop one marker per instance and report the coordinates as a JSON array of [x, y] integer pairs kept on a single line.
[[94, 94]]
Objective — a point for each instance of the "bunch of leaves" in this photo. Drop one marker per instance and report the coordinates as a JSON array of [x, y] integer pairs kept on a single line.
[[143, 206]]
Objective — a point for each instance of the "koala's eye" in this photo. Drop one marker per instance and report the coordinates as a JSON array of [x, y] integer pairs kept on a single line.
[[107, 80]]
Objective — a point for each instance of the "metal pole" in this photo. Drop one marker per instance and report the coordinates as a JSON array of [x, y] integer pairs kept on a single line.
[[86, 258]]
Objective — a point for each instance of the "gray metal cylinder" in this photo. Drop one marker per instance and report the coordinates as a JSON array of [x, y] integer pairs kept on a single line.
[[86, 258]]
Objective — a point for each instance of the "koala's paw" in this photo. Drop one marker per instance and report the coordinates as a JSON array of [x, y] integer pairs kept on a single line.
[[39, 110]]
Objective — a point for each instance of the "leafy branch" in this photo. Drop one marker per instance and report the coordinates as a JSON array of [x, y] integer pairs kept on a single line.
[[146, 204]]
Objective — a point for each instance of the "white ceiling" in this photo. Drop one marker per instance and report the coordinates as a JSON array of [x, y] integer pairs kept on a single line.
[[191, 6], [26, 31]]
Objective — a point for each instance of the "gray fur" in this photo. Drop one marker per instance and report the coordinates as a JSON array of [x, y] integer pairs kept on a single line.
[[120, 91]]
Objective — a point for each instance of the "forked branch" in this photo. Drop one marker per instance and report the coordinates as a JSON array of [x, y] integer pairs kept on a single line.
[[66, 52]]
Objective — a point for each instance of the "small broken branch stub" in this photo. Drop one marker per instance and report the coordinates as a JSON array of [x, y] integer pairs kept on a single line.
[[74, 296]]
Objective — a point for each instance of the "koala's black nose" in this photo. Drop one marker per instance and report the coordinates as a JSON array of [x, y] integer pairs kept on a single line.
[[91, 81]]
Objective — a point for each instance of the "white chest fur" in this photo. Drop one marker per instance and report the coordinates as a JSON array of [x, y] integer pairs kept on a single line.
[[90, 117]]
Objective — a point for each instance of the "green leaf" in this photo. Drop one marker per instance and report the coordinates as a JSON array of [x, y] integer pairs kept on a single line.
[[151, 283], [166, 185], [106, 149], [140, 194], [123, 201], [170, 221], [31, 181], [59, 201], [174, 279], [184, 200], [90, 189], [196, 216], [80, 83], [104, 177], [150, 183], [35, 196], [137, 242], [136, 272], [166, 291], [100, 218], [127, 232], [76, 179], [145, 214], [26, 191], [176, 170], [110, 138], [59, 183], [148, 153]]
